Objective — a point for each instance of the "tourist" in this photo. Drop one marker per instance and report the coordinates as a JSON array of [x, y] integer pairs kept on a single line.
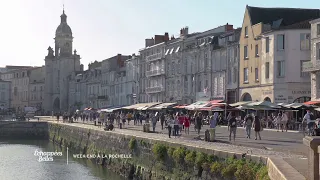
[[257, 127], [309, 117], [154, 121], [170, 123], [162, 119], [198, 122], [284, 122], [186, 124], [232, 126], [129, 116], [248, 125], [181, 120], [278, 120], [176, 126]]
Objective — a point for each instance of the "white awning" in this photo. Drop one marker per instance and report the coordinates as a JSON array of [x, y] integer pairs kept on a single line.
[[197, 105], [162, 106], [178, 49]]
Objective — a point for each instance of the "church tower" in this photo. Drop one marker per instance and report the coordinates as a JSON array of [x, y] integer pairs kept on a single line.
[[63, 39], [61, 63]]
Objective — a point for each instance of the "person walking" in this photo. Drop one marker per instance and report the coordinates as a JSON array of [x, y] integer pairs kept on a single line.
[[232, 126], [309, 117], [257, 127], [248, 125], [186, 124], [154, 121], [278, 121], [284, 122], [162, 120], [198, 122], [170, 123], [176, 126]]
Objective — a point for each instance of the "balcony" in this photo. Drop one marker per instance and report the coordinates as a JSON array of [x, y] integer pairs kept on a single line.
[[154, 57], [154, 89], [311, 66], [156, 72]]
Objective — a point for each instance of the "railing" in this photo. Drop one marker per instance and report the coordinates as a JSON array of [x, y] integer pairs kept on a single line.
[[313, 144], [156, 72], [155, 89], [154, 57], [311, 66]]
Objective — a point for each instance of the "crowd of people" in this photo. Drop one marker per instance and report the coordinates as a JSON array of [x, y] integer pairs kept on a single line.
[[177, 122]]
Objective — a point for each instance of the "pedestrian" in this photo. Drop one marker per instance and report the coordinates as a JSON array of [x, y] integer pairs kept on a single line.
[[176, 126], [154, 122], [257, 127], [248, 125], [284, 120], [278, 121], [198, 122], [232, 126], [186, 124], [181, 120], [309, 117], [162, 119], [170, 123]]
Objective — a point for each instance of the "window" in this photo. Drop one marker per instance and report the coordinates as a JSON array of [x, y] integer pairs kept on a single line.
[[256, 74], [257, 50], [246, 31], [280, 41], [245, 75], [267, 44], [245, 52], [303, 74], [280, 69], [318, 29], [305, 41], [235, 53], [267, 70], [318, 51], [235, 75]]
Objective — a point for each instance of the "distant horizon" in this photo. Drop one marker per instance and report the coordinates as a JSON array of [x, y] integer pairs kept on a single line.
[[105, 28]]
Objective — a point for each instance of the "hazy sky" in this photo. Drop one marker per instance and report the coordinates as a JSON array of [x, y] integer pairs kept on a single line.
[[104, 28]]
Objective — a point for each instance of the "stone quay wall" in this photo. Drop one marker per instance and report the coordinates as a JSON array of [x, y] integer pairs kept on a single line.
[[10, 130], [156, 159]]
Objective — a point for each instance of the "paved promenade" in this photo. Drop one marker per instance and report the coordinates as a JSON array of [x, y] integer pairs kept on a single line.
[[286, 145]]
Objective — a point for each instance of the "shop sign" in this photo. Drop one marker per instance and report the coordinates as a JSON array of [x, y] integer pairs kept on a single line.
[[301, 92], [266, 92], [280, 98]]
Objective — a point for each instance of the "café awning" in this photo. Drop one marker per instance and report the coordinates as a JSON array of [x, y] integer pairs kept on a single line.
[[241, 103], [297, 105], [135, 106], [181, 106], [162, 106], [312, 103], [197, 105], [147, 106]]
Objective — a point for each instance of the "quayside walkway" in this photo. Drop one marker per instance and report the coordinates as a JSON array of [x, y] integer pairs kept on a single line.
[[286, 148]]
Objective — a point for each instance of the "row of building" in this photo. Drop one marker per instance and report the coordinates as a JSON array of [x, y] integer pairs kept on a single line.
[[269, 58]]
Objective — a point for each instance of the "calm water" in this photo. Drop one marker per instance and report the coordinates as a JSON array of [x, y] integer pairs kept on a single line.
[[18, 162]]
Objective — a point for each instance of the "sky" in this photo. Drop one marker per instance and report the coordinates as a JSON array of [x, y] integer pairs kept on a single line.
[[104, 28]]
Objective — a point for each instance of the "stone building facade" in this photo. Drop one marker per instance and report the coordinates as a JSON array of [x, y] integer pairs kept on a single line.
[[60, 63], [36, 88], [314, 65], [266, 61], [5, 94]]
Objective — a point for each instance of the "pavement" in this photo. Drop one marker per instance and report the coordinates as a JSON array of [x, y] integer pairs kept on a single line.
[[286, 145]]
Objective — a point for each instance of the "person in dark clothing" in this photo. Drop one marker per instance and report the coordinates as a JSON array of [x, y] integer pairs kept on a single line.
[[198, 122], [232, 126], [257, 127], [162, 119]]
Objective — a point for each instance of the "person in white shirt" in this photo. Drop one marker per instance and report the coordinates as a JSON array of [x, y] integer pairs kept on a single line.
[[309, 117], [284, 122], [278, 122]]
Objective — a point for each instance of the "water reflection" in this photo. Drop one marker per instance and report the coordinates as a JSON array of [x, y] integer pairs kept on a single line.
[[17, 162]]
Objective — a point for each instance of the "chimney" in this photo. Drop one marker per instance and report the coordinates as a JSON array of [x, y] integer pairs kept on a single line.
[[81, 67], [186, 29], [229, 27], [166, 37], [172, 37], [181, 31]]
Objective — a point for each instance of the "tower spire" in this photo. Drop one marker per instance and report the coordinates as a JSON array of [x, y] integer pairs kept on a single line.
[[63, 8]]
